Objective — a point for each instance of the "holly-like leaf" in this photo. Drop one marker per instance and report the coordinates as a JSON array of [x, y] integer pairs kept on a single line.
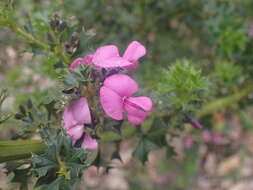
[[42, 171], [158, 129], [143, 148], [55, 185], [20, 175], [61, 164], [77, 77]]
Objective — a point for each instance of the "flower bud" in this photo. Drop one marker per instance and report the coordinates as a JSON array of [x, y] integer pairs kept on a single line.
[[29, 104], [55, 21], [68, 91], [62, 26], [22, 109], [18, 116]]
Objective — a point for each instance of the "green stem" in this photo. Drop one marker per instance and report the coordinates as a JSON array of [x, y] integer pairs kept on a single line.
[[223, 102], [20, 149], [29, 37], [57, 51]]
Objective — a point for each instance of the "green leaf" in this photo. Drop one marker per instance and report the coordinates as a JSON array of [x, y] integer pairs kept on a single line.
[[42, 171], [143, 148], [157, 129], [76, 169], [20, 175], [6, 14], [55, 185]]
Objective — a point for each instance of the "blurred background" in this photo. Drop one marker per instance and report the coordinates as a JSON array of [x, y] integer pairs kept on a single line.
[[216, 36]]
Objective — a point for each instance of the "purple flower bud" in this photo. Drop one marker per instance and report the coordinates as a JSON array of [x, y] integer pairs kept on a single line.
[[196, 124]]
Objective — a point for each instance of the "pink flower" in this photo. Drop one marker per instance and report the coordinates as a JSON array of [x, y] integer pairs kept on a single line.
[[115, 99], [85, 60], [75, 115], [89, 142], [207, 137], [188, 142], [250, 30], [212, 137], [217, 138], [108, 56]]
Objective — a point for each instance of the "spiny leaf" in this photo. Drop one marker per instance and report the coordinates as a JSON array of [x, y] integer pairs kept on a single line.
[[143, 148]]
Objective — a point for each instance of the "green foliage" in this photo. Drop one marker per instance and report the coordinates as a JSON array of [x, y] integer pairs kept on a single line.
[[32, 117], [227, 26], [227, 74], [78, 77], [212, 33], [21, 175], [151, 140], [232, 41], [6, 14], [3, 96], [183, 84], [61, 164], [143, 148]]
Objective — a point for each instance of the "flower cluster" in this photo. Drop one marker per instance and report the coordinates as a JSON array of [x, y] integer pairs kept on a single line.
[[115, 93]]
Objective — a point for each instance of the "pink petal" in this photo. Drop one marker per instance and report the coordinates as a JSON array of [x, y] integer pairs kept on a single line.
[[75, 132], [137, 108], [89, 143], [134, 115], [207, 137], [75, 63], [88, 58], [105, 52], [217, 138], [133, 66], [134, 51], [68, 120], [112, 103], [85, 60], [80, 111], [113, 62], [122, 84], [144, 102]]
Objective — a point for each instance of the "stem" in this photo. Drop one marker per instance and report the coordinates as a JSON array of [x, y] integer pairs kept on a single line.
[[223, 102], [29, 37], [58, 48], [14, 150], [57, 51]]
